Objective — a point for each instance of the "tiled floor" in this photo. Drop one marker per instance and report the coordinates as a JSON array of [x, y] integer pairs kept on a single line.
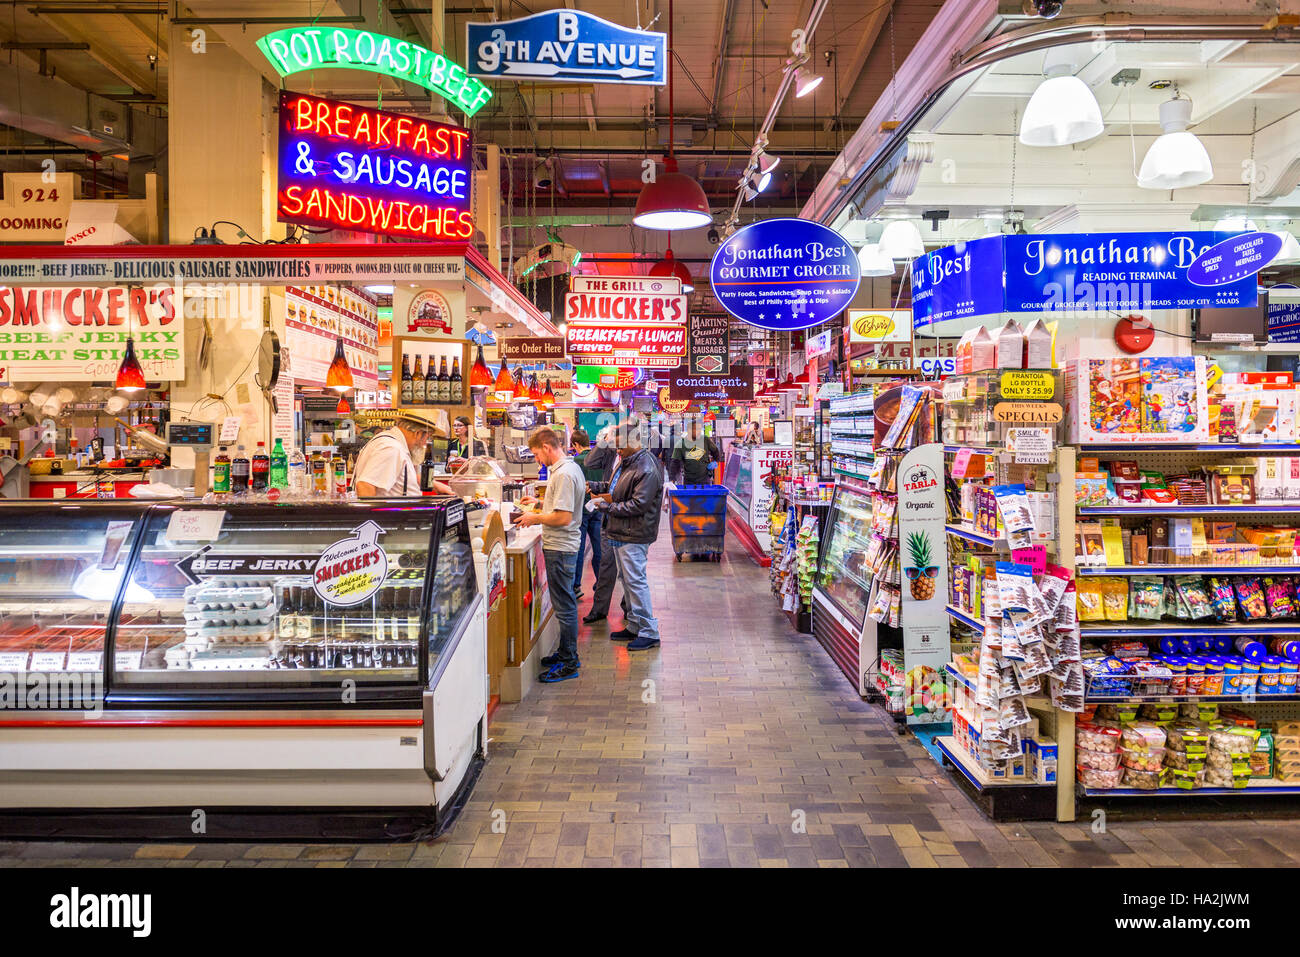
[[737, 743]]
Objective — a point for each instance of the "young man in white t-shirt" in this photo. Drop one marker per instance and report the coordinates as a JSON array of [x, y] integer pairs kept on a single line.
[[561, 521]]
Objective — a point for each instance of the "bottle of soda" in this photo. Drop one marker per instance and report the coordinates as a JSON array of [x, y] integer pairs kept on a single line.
[[261, 469], [340, 477], [221, 471], [240, 472], [279, 466]]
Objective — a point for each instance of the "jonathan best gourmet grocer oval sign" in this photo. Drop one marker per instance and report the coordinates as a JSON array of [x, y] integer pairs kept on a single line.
[[785, 274]]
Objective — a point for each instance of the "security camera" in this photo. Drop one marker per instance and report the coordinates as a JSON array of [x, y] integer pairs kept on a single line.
[[713, 235], [1047, 9]]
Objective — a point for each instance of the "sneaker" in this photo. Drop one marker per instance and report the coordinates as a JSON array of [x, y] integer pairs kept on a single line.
[[561, 673], [590, 619], [577, 594], [622, 635], [550, 661], [641, 644]]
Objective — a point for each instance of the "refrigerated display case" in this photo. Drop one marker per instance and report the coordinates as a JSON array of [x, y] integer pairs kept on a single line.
[[842, 593], [299, 661]]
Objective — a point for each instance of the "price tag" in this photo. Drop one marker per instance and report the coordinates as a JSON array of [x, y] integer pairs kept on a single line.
[[1032, 446], [194, 525], [229, 429], [86, 661], [967, 464], [14, 660], [48, 660], [1028, 385], [127, 660], [1035, 557]]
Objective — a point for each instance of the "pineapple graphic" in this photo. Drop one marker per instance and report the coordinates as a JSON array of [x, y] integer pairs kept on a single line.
[[922, 573]]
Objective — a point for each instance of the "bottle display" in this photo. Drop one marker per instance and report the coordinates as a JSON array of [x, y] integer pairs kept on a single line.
[[299, 480], [221, 471], [279, 466], [261, 469], [340, 476], [321, 469], [408, 384], [240, 472], [419, 385], [431, 384], [457, 387], [444, 382]]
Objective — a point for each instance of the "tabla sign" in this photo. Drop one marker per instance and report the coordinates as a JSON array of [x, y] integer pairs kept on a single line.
[[352, 569]]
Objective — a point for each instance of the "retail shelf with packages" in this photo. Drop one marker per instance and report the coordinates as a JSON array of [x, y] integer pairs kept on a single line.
[[1094, 571], [1258, 787], [971, 770], [1250, 449], [1137, 511], [979, 538], [1211, 629], [974, 450], [958, 615]]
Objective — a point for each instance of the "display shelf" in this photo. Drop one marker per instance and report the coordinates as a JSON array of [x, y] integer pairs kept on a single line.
[[974, 449], [1258, 787], [975, 774], [1188, 698], [1190, 447], [1158, 629], [857, 475], [957, 676], [979, 538], [1094, 571], [961, 616], [1148, 510]]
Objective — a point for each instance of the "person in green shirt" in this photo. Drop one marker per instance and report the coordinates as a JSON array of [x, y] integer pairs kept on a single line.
[[697, 455]]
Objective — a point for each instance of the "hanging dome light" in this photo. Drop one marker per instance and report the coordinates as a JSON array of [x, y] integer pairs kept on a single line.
[[1236, 224], [339, 375], [1177, 159], [901, 240], [670, 267], [1063, 110], [130, 377], [789, 385], [505, 382], [548, 397], [480, 376], [672, 201], [1290, 252], [873, 262]]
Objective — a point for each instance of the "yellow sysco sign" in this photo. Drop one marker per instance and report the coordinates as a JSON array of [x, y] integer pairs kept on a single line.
[[880, 325]]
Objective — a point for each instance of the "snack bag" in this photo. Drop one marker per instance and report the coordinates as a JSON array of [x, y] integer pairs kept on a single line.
[[1223, 599], [1194, 593], [1146, 597], [1250, 596], [1088, 597], [1279, 595], [1114, 599]]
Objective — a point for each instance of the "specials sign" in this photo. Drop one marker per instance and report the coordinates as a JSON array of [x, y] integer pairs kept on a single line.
[[78, 334], [352, 569]]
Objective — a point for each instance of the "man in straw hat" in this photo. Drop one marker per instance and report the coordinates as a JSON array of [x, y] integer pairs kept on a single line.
[[386, 466]]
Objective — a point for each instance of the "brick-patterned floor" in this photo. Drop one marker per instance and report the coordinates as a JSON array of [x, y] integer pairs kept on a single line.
[[705, 753]]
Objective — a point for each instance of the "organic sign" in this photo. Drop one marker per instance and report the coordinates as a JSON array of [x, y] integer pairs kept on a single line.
[[653, 344], [735, 386], [567, 46], [312, 48], [78, 334], [923, 552], [785, 274], [1028, 384], [352, 569], [350, 167], [706, 344]]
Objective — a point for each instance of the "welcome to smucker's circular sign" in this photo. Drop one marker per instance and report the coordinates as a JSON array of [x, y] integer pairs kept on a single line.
[[785, 274]]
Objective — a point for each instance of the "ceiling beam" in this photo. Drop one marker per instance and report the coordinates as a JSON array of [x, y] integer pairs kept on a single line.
[[121, 67], [857, 61], [720, 61], [151, 32]]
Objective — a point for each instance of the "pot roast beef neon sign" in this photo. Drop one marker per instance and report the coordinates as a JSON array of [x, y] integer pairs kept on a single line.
[[372, 171], [314, 48]]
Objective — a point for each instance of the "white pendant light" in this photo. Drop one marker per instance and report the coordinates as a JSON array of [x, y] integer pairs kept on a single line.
[[901, 240], [1236, 224], [873, 262], [1063, 109], [1290, 252], [1176, 159], [805, 82]]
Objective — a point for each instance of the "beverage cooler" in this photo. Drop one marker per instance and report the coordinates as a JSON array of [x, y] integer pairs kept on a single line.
[[190, 671]]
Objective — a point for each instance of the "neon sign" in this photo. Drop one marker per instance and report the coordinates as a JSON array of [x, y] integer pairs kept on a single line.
[[314, 48], [350, 167]]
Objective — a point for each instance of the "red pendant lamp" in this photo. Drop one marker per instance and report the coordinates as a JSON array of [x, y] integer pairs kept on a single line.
[[480, 376], [669, 268], [673, 200], [789, 385], [339, 376], [548, 397], [534, 392], [130, 377], [505, 382], [521, 386], [343, 408]]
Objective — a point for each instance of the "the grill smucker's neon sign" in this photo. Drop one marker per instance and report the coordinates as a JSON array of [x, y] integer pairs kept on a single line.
[[317, 48], [372, 171]]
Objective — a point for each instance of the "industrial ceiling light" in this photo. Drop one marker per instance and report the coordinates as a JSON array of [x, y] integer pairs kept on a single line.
[[901, 240], [788, 385], [542, 176], [130, 377], [766, 163], [1063, 109], [873, 262], [1177, 159], [748, 188], [339, 375], [670, 266], [805, 81], [1236, 224], [1290, 252]]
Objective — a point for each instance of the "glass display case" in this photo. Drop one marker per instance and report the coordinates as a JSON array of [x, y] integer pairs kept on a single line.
[[969, 402], [842, 573], [480, 479]]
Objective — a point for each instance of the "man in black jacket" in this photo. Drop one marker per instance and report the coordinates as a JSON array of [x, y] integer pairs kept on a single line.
[[631, 505], [605, 456]]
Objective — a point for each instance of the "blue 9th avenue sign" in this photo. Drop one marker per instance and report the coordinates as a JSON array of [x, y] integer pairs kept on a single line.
[[785, 274]]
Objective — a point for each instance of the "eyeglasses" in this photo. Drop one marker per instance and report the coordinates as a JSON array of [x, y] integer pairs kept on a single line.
[[931, 571]]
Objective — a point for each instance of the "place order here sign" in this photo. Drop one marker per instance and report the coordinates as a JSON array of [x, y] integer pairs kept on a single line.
[[626, 321]]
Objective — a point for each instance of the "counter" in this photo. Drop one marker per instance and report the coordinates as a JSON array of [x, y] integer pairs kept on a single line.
[[82, 484]]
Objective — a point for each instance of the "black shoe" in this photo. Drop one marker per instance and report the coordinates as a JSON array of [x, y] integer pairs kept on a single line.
[[641, 644], [559, 673], [622, 635], [550, 661], [591, 619]]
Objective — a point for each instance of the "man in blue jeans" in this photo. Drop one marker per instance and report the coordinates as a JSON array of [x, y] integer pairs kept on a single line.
[[631, 507], [561, 519], [592, 462]]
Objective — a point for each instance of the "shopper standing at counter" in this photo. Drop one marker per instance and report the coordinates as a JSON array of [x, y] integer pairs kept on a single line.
[[631, 506], [697, 454], [386, 466], [561, 521]]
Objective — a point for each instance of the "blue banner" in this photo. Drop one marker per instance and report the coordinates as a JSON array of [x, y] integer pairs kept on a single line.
[[566, 46], [1119, 271], [1284, 322], [957, 281], [785, 274]]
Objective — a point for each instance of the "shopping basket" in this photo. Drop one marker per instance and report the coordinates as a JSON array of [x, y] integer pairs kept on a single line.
[[697, 515]]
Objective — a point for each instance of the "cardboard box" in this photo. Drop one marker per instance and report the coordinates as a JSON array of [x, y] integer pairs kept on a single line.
[[983, 352], [1038, 346], [1043, 755], [1009, 344]]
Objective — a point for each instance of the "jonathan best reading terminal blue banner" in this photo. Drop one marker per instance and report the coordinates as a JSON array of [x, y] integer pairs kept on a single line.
[[566, 46], [785, 274], [957, 281]]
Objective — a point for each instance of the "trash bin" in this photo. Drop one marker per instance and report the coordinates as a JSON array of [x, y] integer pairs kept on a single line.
[[697, 515]]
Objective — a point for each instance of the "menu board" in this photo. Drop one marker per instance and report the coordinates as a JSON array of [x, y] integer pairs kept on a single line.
[[316, 316]]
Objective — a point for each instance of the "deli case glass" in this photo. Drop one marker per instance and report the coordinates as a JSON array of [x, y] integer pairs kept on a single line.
[[842, 592], [316, 631]]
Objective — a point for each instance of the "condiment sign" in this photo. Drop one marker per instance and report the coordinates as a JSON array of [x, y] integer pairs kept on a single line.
[[874, 325], [1028, 413], [78, 334], [354, 168], [529, 349], [736, 386], [352, 569], [311, 48], [706, 344], [785, 274], [1028, 384], [656, 345], [566, 46]]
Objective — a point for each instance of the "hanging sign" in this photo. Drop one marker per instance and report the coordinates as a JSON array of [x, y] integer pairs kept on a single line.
[[957, 281], [312, 48], [352, 569], [528, 349], [429, 312], [349, 167], [36, 206], [1237, 258], [315, 318], [923, 552], [566, 46], [706, 344], [1028, 413], [625, 299], [651, 344], [78, 334], [735, 386], [785, 274], [879, 325], [818, 345]]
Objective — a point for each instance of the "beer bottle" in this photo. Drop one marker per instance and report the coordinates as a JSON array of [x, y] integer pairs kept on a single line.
[[432, 393], [419, 396], [408, 387], [457, 396]]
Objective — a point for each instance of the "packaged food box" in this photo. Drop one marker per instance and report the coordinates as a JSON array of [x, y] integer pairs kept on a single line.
[[1143, 780]]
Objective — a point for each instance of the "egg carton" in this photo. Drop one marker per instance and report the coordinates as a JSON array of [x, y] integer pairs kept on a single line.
[[220, 662], [224, 596], [228, 618], [239, 634]]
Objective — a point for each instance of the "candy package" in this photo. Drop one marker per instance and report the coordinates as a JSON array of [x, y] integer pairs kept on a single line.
[[1143, 759], [1279, 595], [1114, 599], [1096, 737], [1146, 597], [1100, 780], [1052, 584], [1223, 599], [1187, 760], [1143, 780], [1142, 736], [1250, 597], [1015, 584], [1192, 591], [1088, 598], [1096, 760]]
